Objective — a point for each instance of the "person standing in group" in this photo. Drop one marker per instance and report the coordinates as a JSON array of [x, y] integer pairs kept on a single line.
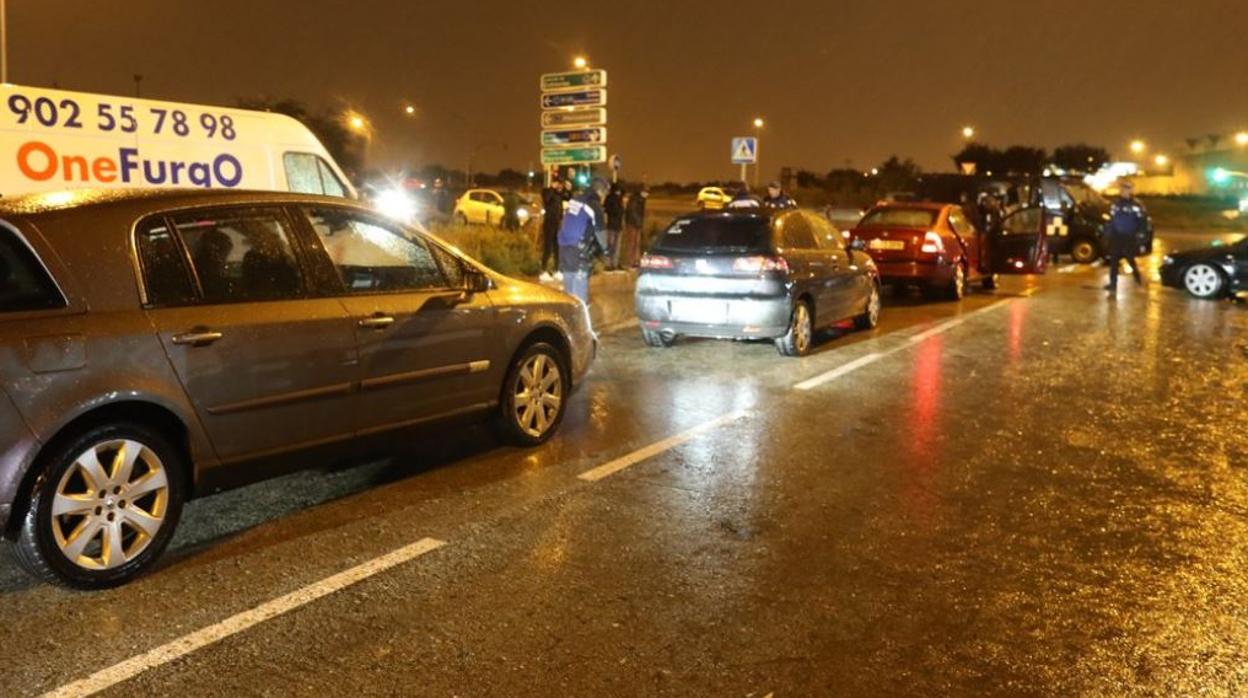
[[552, 205], [613, 206], [634, 227], [1127, 223], [579, 239], [777, 199], [511, 211]]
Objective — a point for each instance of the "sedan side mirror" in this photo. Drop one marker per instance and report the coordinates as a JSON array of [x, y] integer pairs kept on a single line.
[[475, 281]]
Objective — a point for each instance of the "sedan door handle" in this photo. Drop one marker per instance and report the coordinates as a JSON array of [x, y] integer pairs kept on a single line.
[[197, 338], [377, 322]]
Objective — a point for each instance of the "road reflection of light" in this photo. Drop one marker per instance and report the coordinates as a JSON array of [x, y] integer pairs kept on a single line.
[[922, 427], [1018, 317]]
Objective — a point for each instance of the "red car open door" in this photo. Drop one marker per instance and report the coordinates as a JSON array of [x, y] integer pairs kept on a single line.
[[1019, 246]]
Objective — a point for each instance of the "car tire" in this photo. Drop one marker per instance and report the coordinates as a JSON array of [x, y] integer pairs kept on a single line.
[[801, 334], [870, 317], [657, 339], [991, 281], [956, 290], [534, 397], [1204, 281], [82, 493], [1084, 251]]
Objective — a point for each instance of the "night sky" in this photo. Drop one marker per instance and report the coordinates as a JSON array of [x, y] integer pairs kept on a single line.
[[838, 82]]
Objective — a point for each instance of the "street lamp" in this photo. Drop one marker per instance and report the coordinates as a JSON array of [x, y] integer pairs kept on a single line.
[[1161, 161], [409, 110], [580, 63], [968, 132], [758, 126], [1241, 138], [1137, 146]]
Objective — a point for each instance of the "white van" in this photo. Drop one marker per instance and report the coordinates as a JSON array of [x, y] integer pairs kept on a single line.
[[52, 140]]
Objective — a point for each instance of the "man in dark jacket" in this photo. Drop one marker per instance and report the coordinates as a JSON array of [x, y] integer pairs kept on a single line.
[[777, 199], [613, 206], [552, 204], [634, 227], [1126, 225], [579, 239]]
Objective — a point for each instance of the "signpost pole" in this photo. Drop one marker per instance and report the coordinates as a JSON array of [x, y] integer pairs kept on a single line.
[[743, 166]]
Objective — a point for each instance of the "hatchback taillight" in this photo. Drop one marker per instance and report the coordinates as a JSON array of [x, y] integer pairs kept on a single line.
[[655, 261], [755, 265], [932, 244]]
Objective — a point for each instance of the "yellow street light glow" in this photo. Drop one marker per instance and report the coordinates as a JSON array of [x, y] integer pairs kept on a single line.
[[968, 132], [357, 123], [758, 122], [1137, 147], [580, 63], [409, 110], [1161, 161], [1241, 138]]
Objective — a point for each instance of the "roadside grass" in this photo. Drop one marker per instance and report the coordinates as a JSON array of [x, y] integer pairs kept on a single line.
[[504, 251], [1180, 213]]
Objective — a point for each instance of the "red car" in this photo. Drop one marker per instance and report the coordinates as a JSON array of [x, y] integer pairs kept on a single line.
[[934, 246]]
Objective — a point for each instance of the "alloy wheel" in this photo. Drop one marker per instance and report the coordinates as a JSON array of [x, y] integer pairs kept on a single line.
[[873, 306], [801, 328], [1202, 280], [538, 395], [110, 504]]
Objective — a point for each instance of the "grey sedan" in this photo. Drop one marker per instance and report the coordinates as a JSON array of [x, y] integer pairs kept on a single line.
[[159, 346]]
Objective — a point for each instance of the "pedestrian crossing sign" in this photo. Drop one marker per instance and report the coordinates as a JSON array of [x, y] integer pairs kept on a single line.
[[744, 150]]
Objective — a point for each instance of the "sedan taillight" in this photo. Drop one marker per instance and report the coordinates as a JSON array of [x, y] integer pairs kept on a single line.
[[756, 265], [655, 261], [932, 244]]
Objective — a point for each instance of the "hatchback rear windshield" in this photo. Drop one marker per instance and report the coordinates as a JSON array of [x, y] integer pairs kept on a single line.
[[24, 285], [720, 233], [899, 218]]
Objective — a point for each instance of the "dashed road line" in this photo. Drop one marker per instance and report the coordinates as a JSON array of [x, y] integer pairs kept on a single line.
[[175, 649], [867, 360], [654, 449]]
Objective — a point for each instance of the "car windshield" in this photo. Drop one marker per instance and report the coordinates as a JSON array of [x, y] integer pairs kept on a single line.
[[720, 233], [899, 218]]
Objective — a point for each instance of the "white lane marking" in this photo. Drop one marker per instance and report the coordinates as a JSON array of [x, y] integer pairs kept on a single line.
[[1067, 269], [842, 370], [106, 678], [654, 449], [850, 367]]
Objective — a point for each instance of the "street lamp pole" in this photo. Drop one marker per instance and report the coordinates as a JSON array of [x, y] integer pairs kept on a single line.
[[758, 127], [4, 42]]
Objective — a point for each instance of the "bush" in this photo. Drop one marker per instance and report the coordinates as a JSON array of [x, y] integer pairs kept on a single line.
[[504, 251]]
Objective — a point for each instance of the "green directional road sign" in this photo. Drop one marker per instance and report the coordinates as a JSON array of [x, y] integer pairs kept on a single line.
[[574, 136], [574, 156], [554, 82], [579, 98], [574, 116]]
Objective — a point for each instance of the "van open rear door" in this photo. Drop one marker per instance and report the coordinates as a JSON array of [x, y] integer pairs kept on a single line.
[[1019, 246]]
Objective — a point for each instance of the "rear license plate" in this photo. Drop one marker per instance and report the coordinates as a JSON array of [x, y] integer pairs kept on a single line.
[[878, 244], [699, 312]]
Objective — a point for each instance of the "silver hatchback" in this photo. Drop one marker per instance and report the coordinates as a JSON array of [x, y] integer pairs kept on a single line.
[[158, 346]]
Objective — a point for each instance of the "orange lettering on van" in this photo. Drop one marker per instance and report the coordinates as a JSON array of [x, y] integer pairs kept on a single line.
[[105, 170], [23, 161]]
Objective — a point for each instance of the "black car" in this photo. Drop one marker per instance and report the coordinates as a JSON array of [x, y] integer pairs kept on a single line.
[[753, 273], [1210, 272]]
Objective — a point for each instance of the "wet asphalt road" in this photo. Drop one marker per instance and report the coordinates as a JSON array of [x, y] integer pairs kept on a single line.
[[1048, 497]]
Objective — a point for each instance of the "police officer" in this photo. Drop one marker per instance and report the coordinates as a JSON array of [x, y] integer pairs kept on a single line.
[[1127, 223], [776, 198], [579, 238]]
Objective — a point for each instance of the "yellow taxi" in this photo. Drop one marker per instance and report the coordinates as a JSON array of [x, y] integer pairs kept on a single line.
[[713, 198]]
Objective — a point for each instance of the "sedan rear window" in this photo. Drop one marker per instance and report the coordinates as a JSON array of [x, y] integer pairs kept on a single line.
[[899, 218], [24, 285], [719, 233]]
